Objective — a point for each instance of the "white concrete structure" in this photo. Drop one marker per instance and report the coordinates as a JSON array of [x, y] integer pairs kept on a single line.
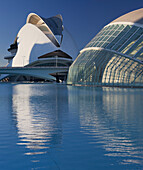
[[42, 42]]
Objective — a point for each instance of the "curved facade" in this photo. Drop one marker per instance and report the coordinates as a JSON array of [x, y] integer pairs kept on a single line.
[[43, 42], [114, 57]]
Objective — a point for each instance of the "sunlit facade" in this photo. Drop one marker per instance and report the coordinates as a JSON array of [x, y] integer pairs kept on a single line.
[[42, 42], [114, 57]]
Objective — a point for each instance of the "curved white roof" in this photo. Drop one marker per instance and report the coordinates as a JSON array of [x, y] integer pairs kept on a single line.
[[32, 43], [55, 23], [35, 39], [41, 23], [40, 36], [135, 16]]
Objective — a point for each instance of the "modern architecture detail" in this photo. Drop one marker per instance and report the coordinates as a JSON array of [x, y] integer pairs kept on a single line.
[[41, 43], [114, 57]]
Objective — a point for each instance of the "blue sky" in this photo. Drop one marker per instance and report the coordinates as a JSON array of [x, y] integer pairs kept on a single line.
[[83, 18]]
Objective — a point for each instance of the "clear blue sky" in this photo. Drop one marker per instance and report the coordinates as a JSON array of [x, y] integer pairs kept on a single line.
[[83, 18]]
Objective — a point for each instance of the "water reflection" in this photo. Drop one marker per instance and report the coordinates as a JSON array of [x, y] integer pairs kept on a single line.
[[108, 118], [37, 112], [113, 117]]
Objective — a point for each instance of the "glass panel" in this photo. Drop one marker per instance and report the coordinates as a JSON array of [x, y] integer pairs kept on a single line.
[[121, 34], [124, 38], [138, 45], [138, 53], [129, 43]]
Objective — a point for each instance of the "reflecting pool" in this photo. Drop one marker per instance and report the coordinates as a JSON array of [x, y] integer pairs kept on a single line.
[[49, 126]]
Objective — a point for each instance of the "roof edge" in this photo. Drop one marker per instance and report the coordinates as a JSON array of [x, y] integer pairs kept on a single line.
[[135, 16], [53, 39]]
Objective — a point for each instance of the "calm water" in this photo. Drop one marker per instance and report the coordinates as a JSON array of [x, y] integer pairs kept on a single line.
[[58, 127]]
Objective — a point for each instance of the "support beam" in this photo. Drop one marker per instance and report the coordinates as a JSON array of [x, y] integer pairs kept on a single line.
[[40, 72]]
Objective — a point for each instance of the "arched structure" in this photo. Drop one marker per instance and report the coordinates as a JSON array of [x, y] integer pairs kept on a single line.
[[56, 24], [43, 42], [114, 57]]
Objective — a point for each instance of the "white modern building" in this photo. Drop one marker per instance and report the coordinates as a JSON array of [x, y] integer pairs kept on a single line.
[[43, 45], [114, 57]]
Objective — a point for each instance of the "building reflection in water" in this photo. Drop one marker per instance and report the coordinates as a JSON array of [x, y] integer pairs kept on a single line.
[[37, 112], [113, 117], [110, 118]]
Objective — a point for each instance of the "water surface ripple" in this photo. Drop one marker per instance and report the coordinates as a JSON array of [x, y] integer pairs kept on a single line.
[[48, 126]]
